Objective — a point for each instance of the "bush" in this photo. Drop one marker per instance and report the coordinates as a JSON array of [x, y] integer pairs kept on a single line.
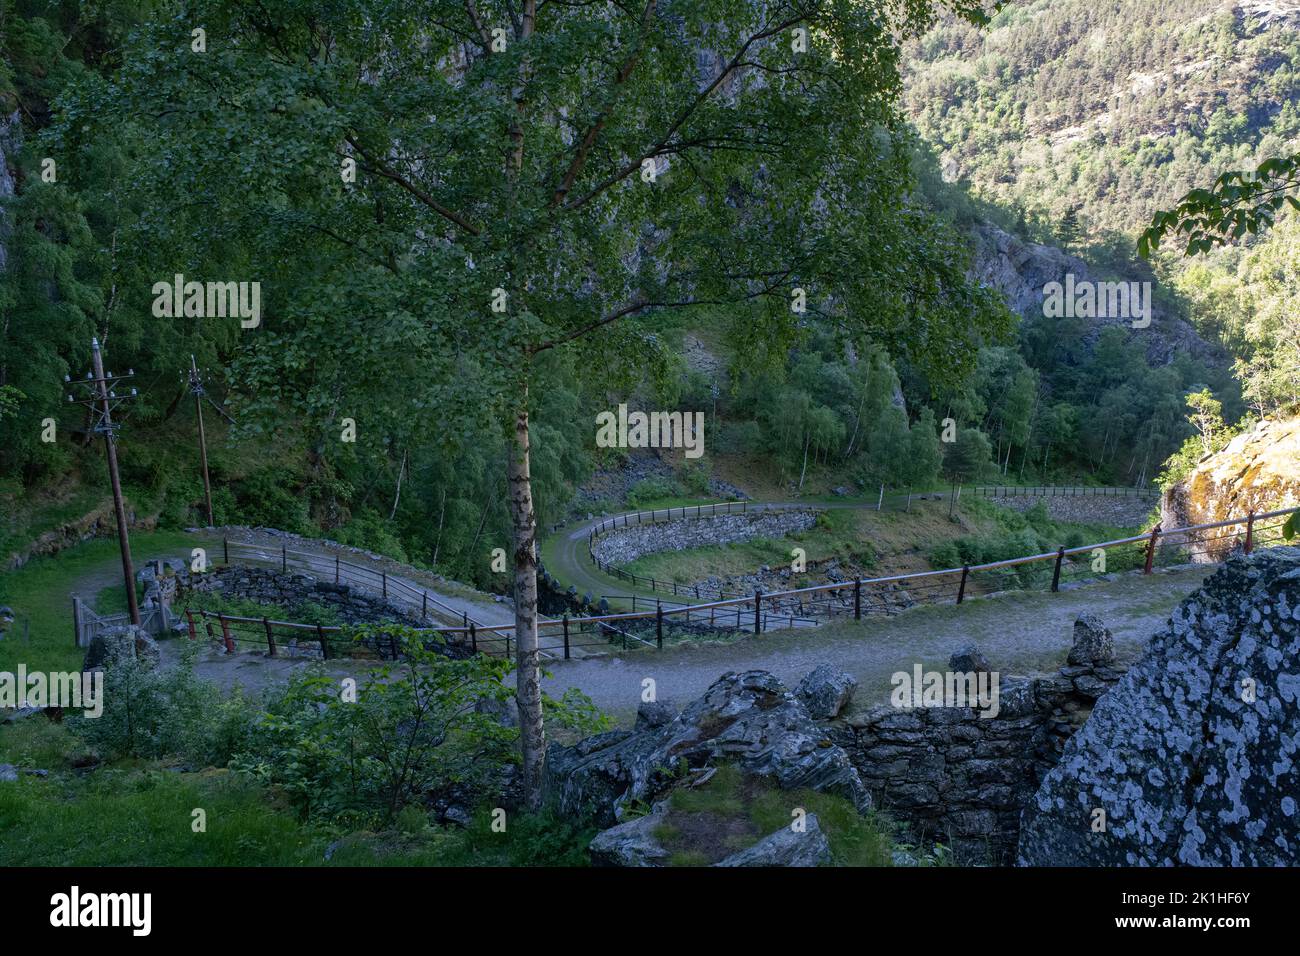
[[652, 489], [407, 728], [153, 713], [268, 498]]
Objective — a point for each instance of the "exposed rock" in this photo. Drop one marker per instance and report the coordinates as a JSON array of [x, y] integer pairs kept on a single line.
[[21, 713], [8, 773], [749, 719], [632, 843], [826, 691], [1191, 765], [114, 645], [1020, 270], [1256, 471], [786, 847], [969, 660], [1093, 643], [651, 715], [962, 779]]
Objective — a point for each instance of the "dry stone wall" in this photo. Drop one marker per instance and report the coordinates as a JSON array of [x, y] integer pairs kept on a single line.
[[961, 779]]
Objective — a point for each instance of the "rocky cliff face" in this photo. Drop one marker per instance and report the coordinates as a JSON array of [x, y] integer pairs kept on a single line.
[[1257, 471], [1020, 270], [1193, 758]]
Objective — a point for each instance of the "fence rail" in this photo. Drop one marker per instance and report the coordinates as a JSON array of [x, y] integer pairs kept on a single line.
[[896, 500], [859, 597], [319, 566]]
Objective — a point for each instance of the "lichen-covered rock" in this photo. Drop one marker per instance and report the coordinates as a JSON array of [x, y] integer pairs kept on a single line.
[[631, 844], [1258, 471], [969, 660], [1093, 643], [1194, 756], [826, 691], [786, 847], [651, 715], [748, 719], [114, 645]]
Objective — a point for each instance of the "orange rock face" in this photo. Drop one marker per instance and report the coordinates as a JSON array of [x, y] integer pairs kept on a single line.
[[1257, 471]]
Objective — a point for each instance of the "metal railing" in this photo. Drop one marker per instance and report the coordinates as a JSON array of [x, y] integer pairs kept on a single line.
[[894, 500], [859, 597], [324, 568]]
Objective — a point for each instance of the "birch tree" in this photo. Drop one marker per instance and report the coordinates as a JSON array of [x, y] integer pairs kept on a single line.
[[494, 181]]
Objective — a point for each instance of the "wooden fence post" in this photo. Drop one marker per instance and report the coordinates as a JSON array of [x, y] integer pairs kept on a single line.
[[566, 637], [1250, 531], [189, 616], [324, 644], [857, 599], [961, 591], [225, 634], [758, 610], [473, 639], [1151, 549], [270, 638], [659, 625], [1056, 572]]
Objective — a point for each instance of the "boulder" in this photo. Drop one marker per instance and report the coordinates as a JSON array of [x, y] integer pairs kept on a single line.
[[969, 660], [113, 645], [8, 773], [1193, 754], [651, 715], [632, 843], [1093, 643], [748, 719], [826, 691], [786, 847]]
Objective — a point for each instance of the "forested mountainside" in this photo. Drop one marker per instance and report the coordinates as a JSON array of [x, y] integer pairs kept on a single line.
[[1053, 135], [1035, 399], [1083, 117]]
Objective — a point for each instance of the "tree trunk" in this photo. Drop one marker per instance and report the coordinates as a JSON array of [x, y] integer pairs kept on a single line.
[[532, 735], [804, 470], [401, 470]]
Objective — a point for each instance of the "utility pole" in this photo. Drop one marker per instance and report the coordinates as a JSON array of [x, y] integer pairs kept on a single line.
[[101, 398], [196, 388]]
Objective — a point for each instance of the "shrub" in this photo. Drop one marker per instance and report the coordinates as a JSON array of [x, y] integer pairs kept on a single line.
[[153, 713], [410, 727], [652, 489]]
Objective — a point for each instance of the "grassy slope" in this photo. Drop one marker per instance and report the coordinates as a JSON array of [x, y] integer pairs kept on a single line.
[[889, 542], [39, 593]]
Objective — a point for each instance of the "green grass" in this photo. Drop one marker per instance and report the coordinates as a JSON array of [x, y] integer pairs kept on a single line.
[[40, 595], [733, 811], [136, 813]]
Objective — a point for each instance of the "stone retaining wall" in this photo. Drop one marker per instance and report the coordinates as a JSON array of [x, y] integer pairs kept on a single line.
[[266, 586], [624, 545], [960, 779]]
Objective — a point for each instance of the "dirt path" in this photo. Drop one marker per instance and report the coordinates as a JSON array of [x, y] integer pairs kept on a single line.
[[1018, 632]]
